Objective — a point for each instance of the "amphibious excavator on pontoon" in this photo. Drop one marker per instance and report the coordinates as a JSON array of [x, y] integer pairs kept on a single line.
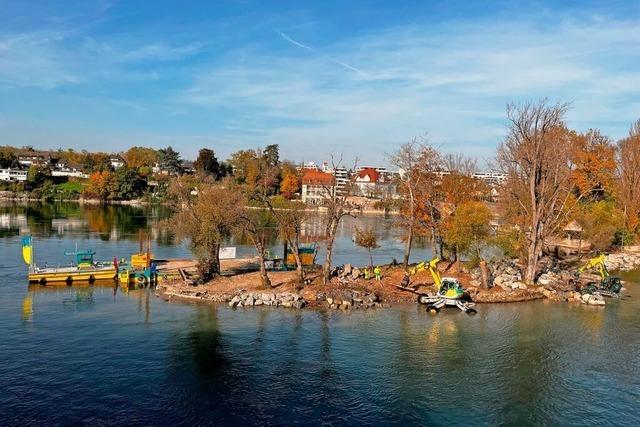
[[449, 291]]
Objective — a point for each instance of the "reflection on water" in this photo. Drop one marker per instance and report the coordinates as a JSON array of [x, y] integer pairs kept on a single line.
[[118, 223], [101, 354], [134, 358]]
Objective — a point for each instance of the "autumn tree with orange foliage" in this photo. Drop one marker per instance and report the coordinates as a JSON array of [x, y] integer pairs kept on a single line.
[[536, 157], [628, 178], [458, 187], [595, 165], [102, 185], [289, 185], [141, 157], [417, 162]]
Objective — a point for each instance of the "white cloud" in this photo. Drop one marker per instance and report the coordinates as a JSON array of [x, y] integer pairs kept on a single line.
[[360, 94], [453, 80]]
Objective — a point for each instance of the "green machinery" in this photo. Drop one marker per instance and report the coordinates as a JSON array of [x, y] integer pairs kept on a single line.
[[449, 291], [609, 286]]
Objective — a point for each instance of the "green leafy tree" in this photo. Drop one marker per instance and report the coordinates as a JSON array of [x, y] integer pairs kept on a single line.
[[208, 163], [170, 160], [271, 155], [8, 158], [468, 229], [130, 185], [600, 222], [205, 219]]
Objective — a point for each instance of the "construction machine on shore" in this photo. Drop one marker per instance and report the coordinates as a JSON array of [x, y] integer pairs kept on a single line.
[[609, 286]]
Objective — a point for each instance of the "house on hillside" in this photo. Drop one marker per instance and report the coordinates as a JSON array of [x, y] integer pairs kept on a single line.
[[117, 161], [29, 158], [13, 175], [68, 169], [316, 186]]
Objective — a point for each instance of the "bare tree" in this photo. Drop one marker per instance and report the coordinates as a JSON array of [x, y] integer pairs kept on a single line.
[[290, 218], [628, 174], [338, 206], [536, 156], [257, 225], [459, 163], [417, 162]]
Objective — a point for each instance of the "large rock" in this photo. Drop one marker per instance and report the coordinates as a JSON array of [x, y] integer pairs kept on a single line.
[[309, 295], [234, 301], [592, 299], [347, 269], [267, 297], [544, 281]]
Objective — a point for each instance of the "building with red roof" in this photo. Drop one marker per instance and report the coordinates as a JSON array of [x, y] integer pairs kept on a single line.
[[373, 182], [316, 186]]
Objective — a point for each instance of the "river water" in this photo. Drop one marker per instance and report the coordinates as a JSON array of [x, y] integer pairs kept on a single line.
[[91, 354]]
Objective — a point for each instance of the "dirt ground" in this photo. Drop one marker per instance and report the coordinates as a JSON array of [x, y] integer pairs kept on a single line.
[[235, 280]]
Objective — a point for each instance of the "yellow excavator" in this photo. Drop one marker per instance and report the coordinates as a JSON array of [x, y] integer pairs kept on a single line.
[[449, 291], [609, 286]]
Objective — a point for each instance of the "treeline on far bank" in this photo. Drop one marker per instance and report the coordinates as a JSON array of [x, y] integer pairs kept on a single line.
[[140, 173]]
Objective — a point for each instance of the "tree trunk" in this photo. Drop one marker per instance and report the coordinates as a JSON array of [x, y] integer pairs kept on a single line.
[[299, 267], [484, 274], [407, 248], [326, 268], [434, 249], [266, 282], [209, 266], [370, 259]]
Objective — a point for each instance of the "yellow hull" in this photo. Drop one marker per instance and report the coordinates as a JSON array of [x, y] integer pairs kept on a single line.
[[305, 258], [64, 277]]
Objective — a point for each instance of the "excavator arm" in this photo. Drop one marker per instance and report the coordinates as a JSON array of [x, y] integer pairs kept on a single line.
[[597, 264], [431, 266]]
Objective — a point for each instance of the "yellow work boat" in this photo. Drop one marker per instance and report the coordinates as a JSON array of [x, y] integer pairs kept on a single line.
[[84, 270]]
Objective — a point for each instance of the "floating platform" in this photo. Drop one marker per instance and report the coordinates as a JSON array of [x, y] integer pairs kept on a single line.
[[68, 275]]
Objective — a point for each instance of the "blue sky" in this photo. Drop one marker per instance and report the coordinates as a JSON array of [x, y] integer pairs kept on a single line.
[[352, 77]]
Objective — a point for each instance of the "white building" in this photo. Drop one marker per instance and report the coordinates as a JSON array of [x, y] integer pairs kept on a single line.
[[117, 162], [317, 186], [491, 178], [13, 175], [374, 183]]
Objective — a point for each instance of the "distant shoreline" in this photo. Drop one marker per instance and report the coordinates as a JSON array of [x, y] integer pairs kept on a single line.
[[138, 202]]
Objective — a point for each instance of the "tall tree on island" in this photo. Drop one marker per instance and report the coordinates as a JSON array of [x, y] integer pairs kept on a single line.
[[457, 187], [417, 162], [536, 156], [205, 214], [290, 217], [338, 206], [628, 178]]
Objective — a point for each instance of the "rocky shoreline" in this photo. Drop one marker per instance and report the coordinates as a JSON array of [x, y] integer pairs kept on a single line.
[[349, 290]]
